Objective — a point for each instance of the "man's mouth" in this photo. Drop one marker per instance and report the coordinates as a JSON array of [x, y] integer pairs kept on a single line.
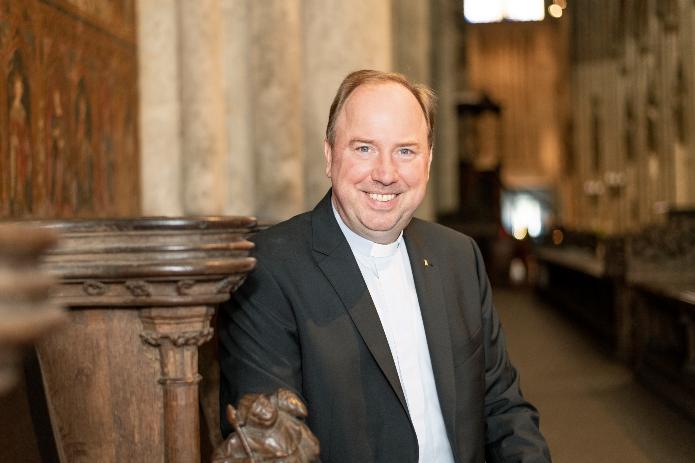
[[381, 198]]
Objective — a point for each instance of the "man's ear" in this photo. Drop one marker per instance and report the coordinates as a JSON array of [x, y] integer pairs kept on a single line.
[[429, 163], [328, 155]]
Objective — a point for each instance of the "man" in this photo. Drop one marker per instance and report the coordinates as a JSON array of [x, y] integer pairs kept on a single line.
[[383, 323]]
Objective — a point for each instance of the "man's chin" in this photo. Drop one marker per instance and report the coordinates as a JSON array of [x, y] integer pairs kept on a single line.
[[382, 232]]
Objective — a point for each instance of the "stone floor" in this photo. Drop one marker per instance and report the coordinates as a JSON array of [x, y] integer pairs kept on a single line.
[[592, 409]]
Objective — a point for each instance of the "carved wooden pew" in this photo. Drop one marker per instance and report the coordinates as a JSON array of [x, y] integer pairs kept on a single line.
[[121, 378], [583, 275], [661, 280]]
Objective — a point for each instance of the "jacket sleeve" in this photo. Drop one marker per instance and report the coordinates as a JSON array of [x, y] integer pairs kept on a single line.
[[512, 423], [258, 343]]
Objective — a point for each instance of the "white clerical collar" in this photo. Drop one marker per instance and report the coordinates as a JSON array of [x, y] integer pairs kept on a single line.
[[364, 246]]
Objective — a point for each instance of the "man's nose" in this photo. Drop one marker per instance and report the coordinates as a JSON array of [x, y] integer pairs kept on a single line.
[[385, 170]]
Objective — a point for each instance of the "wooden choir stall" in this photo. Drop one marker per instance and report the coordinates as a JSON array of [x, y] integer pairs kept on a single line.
[[121, 375]]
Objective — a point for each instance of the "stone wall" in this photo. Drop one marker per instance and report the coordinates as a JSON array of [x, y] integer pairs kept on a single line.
[[235, 95]]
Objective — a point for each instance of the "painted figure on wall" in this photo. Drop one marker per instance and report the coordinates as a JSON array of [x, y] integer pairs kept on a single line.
[[67, 82], [84, 163], [19, 139], [55, 186], [108, 133]]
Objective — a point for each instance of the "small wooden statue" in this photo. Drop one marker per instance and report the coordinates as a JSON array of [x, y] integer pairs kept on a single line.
[[268, 428]]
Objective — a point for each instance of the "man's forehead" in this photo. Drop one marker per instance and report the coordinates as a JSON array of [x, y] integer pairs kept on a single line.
[[379, 91], [382, 102]]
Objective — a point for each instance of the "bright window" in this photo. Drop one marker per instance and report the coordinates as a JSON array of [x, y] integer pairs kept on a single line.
[[523, 213], [487, 11]]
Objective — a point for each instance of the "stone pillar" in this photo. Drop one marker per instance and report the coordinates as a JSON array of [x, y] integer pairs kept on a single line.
[[447, 41], [276, 95], [338, 37], [202, 106], [160, 109], [411, 56], [240, 174]]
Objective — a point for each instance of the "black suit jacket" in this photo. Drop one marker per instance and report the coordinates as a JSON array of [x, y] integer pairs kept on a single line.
[[304, 320]]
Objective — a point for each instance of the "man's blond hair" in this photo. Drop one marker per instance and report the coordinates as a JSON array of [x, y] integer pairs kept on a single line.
[[422, 93]]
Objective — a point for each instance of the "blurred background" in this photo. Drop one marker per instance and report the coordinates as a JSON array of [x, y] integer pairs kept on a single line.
[[564, 145]]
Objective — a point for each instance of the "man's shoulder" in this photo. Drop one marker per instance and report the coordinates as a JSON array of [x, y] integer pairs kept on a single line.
[[443, 242], [285, 238], [439, 233]]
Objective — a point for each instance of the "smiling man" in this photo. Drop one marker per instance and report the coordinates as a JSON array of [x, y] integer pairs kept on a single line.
[[383, 323]]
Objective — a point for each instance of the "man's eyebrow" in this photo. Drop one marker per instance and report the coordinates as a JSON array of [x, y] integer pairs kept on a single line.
[[366, 141], [408, 143]]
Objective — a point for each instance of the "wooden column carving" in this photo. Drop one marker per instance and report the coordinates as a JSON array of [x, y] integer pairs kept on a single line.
[[178, 333], [122, 378], [26, 309]]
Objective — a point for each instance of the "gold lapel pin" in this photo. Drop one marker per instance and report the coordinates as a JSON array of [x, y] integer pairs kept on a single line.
[[427, 262]]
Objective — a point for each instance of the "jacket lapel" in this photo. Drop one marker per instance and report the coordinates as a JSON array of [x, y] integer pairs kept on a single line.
[[430, 293], [336, 261]]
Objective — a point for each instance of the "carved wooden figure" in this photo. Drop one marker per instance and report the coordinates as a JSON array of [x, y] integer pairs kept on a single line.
[[268, 428], [121, 378]]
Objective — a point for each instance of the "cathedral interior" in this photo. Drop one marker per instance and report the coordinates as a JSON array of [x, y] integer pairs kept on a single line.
[[138, 138]]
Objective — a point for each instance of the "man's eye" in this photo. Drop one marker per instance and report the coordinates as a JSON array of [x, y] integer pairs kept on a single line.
[[363, 149], [405, 151]]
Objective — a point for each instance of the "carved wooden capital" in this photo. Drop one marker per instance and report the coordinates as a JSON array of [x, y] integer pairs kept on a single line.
[[185, 338]]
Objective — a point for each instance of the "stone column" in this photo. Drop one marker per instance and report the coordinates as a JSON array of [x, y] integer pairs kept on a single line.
[[160, 109], [338, 37], [447, 41], [276, 99], [412, 52], [202, 106], [240, 173]]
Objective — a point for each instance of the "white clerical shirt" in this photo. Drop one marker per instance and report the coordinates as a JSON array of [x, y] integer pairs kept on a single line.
[[389, 278]]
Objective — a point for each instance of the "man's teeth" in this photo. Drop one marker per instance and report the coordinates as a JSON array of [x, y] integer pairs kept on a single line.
[[382, 198]]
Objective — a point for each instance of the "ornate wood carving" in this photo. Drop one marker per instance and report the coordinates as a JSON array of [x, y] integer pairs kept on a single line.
[[26, 308], [122, 378], [268, 428]]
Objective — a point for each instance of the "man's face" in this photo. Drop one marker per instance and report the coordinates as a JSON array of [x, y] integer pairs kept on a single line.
[[380, 161]]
